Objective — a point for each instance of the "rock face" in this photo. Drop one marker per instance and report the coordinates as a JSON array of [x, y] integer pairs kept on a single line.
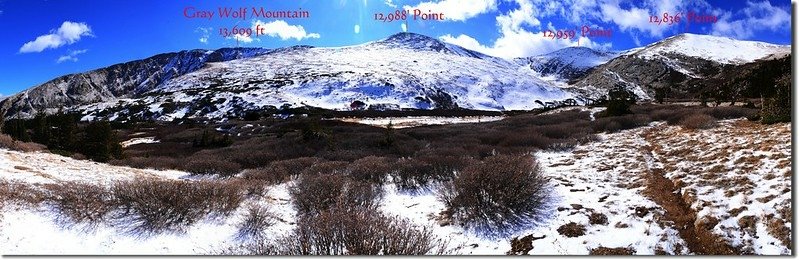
[[125, 80], [681, 66]]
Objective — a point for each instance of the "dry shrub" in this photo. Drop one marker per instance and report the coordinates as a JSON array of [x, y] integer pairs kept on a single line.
[[315, 193], [413, 174], [416, 174], [358, 232], [332, 167], [612, 251], [212, 165], [730, 112], [618, 123], [81, 202], [698, 121], [20, 193], [255, 221], [526, 139], [572, 229], [9, 143], [371, 169], [155, 205], [157, 163], [280, 171], [671, 114], [497, 194]]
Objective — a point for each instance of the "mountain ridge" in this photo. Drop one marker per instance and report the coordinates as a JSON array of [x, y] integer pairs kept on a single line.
[[401, 77]]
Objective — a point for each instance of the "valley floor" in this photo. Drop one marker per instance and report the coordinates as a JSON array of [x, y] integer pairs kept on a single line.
[[652, 190]]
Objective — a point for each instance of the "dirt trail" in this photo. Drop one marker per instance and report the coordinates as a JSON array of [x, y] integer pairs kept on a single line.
[[662, 191]]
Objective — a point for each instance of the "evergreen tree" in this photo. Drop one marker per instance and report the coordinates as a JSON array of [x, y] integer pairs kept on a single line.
[[100, 142], [619, 101]]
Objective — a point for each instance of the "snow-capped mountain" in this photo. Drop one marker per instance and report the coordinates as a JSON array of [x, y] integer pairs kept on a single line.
[[567, 63], [677, 67], [125, 80], [722, 50], [405, 70]]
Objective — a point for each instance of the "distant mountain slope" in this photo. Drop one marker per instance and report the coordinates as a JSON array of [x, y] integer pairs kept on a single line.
[[567, 63], [405, 70], [124, 80], [673, 66]]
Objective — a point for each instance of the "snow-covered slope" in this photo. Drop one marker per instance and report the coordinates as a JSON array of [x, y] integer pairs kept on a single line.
[[719, 49], [567, 63], [740, 190], [403, 71]]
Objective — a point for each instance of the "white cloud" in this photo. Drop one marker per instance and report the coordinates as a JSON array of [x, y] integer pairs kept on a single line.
[[241, 38], [71, 56], [456, 10], [280, 28], [68, 33], [205, 33], [357, 29], [515, 39], [631, 19], [390, 3], [757, 16]]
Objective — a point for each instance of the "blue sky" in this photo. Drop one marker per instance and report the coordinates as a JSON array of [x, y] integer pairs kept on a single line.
[[46, 39]]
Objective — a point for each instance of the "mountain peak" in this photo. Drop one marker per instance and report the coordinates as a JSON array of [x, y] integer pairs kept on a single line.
[[720, 49], [413, 41]]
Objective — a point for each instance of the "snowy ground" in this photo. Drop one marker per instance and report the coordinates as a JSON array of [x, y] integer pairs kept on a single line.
[[412, 121], [139, 140], [599, 186]]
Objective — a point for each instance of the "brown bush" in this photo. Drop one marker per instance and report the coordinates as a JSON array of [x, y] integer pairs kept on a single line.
[[212, 166], [729, 112], [571, 229], [698, 121], [315, 193], [499, 193], [21, 193], [527, 139], [155, 205], [413, 174], [332, 167], [81, 202], [9, 143], [616, 123], [255, 221], [612, 251], [371, 169], [358, 232], [280, 171], [157, 163]]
